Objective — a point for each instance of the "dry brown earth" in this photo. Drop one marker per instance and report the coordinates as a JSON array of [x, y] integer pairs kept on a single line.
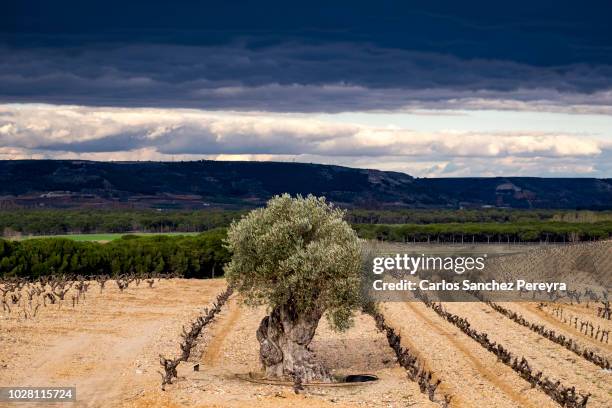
[[108, 348]]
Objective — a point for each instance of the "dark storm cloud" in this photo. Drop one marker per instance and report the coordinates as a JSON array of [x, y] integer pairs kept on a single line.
[[536, 32], [283, 56], [285, 77]]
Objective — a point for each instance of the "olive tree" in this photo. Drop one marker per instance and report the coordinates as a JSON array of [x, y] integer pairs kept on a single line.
[[301, 259]]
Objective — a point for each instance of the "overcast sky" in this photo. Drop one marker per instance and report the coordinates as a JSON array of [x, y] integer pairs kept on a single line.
[[442, 89]]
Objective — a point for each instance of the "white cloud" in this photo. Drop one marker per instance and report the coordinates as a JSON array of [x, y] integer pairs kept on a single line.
[[161, 134]]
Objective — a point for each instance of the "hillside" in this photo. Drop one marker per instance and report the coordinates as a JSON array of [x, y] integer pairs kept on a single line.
[[200, 184]]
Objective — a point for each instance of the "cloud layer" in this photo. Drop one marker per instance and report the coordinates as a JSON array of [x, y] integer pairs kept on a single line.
[[283, 101], [155, 134], [294, 77]]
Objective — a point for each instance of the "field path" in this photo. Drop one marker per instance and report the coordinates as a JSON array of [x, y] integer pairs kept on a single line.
[[225, 325], [469, 372], [97, 364]]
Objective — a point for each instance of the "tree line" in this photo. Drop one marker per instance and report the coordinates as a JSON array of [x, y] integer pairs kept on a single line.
[[200, 256], [484, 215], [204, 255], [56, 222], [535, 231]]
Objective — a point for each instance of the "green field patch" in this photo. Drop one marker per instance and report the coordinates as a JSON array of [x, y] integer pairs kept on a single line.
[[106, 237]]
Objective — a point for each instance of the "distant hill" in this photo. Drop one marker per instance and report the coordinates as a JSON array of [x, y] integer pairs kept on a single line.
[[199, 184]]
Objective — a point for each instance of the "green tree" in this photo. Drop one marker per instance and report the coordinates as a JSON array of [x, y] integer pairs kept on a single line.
[[300, 258]]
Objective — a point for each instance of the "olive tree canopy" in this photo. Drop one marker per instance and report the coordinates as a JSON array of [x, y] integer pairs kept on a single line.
[[301, 259]]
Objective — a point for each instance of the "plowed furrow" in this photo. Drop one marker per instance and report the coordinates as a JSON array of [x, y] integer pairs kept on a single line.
[[470, 373]]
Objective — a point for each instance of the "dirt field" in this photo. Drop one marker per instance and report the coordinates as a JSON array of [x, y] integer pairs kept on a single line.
[[108, 346]]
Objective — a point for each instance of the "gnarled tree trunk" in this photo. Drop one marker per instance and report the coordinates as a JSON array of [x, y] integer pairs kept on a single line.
[[283, 338]]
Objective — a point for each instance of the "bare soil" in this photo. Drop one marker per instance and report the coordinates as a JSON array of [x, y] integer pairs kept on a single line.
[[554, 360], [108, 346]]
